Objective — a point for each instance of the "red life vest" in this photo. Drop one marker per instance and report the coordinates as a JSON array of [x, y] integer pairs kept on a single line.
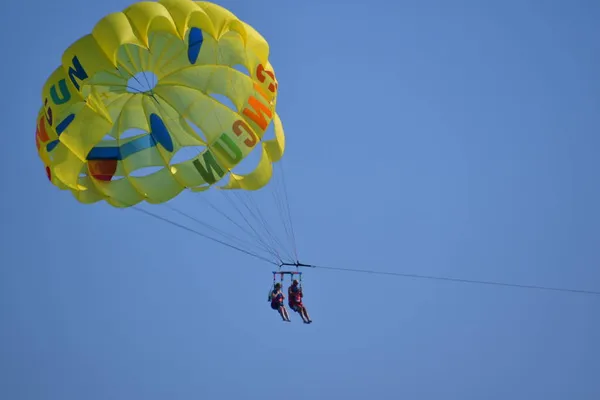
[[295, 295], [276, 297]]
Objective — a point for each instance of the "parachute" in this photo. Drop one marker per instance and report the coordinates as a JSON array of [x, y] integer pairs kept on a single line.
[[152, 68], [143, 87]]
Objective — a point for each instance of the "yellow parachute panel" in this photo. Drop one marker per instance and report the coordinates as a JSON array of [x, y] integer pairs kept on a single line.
[[143, 85]]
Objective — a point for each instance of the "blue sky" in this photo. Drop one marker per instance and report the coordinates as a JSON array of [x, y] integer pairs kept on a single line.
[[432, 137]]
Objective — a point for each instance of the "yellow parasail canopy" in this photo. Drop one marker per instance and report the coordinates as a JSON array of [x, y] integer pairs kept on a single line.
[[140, 88]]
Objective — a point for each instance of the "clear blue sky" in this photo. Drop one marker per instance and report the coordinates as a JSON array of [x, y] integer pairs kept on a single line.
[[448, 138]]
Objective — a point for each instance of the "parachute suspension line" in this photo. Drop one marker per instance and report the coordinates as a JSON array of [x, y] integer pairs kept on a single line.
[[285, 228], [202, 235], [233, 240], [240, 227], [281, 214], [278, 202], [217, 230], [263, 240], [286, 203], [267, 241], [285, 191], [249, 203], [260, 238], [257, 215], [240, 242], [258, 246]]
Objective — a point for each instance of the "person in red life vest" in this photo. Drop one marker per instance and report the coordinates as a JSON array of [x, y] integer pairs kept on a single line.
[[277, 303], [295, 301]]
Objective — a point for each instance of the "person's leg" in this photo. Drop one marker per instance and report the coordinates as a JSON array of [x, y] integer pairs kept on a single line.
[[284, 314], [305, 315], [287, 316], [300, 310]]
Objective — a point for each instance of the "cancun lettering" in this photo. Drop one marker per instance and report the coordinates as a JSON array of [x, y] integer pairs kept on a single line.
[[258, 112], [207, 165], [60, 94], [260, 74]]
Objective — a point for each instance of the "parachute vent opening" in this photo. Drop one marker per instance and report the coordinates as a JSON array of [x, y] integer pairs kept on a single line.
[[130, 133], [186, 154], [269, 132], [250, 162], [242, 68], [142, 82], [139, 173], [226, 101], [197, 130]]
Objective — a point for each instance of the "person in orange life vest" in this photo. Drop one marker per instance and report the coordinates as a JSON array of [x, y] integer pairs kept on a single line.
[[277, 303], [295, 301]]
